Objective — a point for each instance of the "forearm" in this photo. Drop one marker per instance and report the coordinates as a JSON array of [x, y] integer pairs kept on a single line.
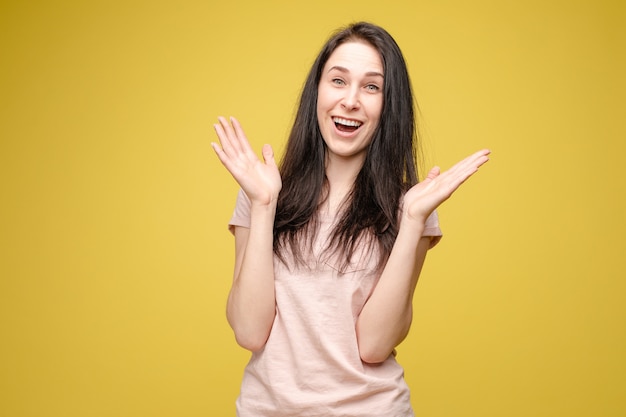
[[386, 317], [251, 303]]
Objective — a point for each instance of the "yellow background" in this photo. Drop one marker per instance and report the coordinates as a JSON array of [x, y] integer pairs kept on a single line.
[[115, 260]]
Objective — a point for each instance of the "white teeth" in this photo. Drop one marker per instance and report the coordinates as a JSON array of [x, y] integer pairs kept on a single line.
[[346, 122]]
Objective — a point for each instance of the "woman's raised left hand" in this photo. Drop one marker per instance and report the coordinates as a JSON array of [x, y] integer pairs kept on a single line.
[[424, 197]]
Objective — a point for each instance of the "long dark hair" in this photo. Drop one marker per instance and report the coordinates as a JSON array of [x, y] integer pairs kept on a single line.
[[371, 211]]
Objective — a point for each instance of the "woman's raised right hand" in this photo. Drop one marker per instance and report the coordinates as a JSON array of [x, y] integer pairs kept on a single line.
[[259, 180]]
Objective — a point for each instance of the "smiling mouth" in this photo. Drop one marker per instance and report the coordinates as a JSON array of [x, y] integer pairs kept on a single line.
[[345, 125]]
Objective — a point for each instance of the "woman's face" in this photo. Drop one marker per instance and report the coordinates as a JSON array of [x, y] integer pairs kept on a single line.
[[350, 99]]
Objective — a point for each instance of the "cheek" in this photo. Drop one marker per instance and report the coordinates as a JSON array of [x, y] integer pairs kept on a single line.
[[324, 97], [376, 108], [320, 101], [318, 107], [373, 109]]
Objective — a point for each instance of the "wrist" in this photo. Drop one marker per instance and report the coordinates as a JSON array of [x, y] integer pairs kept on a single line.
[[411, 229], [412, 222], [259, 210]]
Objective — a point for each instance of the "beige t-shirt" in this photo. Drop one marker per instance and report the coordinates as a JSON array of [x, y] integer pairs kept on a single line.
[[310, 365]]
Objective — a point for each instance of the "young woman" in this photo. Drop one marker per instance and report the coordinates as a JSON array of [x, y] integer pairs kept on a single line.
[[329, 247]]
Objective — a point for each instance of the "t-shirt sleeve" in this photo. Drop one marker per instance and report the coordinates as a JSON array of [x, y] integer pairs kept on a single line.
[[432, 229], [241, 215]]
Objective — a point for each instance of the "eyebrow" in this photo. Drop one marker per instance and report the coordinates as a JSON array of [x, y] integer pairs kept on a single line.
[[344, 69]]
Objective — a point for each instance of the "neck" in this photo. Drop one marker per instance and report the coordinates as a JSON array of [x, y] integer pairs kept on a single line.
[[341, 174]]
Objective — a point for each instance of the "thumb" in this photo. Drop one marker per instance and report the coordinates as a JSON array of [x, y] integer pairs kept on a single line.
[[433, 173], [268, 155]]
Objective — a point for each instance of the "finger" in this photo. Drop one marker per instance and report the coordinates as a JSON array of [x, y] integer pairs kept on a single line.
[[230, 137], [468, 165], [241, 136], [225, 141], [449, 181], [433, 173], [217, 149], [477, 158], [228, 154], [268, 155], [221, 155]]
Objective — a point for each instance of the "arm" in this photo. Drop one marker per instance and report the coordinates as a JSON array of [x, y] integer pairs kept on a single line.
[[251, 306], [386, 317]]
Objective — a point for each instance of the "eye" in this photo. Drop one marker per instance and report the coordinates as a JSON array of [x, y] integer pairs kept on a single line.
[[338, 81], [372, 87]]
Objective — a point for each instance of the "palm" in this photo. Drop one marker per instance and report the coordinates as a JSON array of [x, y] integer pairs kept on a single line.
[[424, 197], [259, 179]]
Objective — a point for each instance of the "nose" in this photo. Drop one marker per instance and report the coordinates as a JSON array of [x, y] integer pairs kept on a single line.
[[351, 99]]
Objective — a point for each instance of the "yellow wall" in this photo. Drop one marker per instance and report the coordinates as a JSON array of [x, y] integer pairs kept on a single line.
[[115, 259]]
